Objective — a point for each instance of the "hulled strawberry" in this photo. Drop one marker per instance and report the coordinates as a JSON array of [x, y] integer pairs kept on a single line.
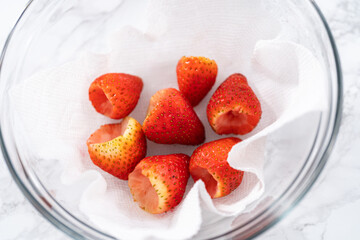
[[209, 163], [115, 94], [196, 76], [171, 119], [158, 183], [234, 107], [117, 148]]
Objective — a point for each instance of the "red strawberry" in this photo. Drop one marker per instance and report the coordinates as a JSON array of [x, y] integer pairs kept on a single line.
[[171, 119], [196, 76], [158, 183], [209, 163], [234, 107], [115, 94], [117, 148]]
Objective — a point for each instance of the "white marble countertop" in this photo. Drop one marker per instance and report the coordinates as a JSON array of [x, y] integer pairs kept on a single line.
[[331, 210]]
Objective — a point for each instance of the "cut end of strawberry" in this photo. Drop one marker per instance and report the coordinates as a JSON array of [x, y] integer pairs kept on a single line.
[[234, 121], [209, 163], [143, 192], [234, 107], [158, 182], [108, 132], [210, 182], [118, 148], [115, 95], [100, 101]]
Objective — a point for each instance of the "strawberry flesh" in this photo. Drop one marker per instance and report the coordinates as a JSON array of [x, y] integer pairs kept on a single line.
[[234, 122], [108, 132], [203, 174], [143, 191]]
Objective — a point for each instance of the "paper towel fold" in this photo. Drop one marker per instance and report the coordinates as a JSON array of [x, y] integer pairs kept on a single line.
[[240, 36]]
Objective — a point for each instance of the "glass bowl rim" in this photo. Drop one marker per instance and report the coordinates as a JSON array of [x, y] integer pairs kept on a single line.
[[61, 223]]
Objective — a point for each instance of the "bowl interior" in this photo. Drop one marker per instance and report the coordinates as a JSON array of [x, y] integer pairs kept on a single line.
[[52, 33]]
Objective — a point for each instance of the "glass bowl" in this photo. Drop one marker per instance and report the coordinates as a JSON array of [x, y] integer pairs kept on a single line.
[[49, 33]]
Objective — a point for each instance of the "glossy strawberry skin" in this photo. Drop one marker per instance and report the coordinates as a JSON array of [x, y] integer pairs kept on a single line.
[[209, 163], [115, 94], [234, 107], [172, 120], [168, 175], [117, 150], [196, 76]]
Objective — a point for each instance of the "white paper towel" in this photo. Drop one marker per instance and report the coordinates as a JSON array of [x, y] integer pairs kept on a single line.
[[241, 37]]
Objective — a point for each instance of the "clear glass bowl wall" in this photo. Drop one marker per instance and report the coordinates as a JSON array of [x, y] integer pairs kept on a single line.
[[52, 32]]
